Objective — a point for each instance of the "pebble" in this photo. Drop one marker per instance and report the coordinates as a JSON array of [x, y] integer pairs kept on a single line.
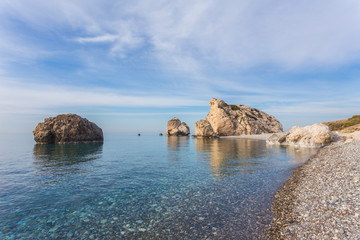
[[321, 200]]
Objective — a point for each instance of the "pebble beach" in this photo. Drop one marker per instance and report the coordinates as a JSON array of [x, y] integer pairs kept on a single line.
[[321, 200]]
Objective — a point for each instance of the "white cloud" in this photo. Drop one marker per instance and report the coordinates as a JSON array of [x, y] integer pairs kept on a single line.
[[107, 38], [193, 35]]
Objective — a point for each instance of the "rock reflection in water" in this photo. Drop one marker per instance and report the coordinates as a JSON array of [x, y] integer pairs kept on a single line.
[[300, 154], [176, 146], [229, 156], [62, 159]]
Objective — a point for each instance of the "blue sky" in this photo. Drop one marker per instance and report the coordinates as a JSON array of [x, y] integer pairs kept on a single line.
[[130, 66]]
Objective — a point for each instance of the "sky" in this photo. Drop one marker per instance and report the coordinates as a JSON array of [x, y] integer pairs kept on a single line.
[[130, 66]]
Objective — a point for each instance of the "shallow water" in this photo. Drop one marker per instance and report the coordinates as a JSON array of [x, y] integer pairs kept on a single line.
[[147, 187]]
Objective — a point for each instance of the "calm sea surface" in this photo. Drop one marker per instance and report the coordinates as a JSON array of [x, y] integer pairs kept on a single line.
[[147, 187]]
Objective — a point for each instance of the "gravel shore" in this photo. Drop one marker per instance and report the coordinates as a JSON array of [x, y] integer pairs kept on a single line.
[[321, 200]]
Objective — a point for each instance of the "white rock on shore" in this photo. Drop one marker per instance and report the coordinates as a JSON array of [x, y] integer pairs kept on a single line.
[[316, 135], [355, 136]]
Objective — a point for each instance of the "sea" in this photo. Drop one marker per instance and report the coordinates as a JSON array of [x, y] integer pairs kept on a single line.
[[141, 187]]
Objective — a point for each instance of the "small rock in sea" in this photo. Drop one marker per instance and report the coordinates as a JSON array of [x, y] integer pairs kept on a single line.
[[160, 134], [139, 134], [177, 128]]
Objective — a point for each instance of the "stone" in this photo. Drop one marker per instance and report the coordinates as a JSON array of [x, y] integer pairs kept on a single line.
[[67, 128], [316, 135], [177, 128], [277, 138], [232, 120], [355, 136], [204, 128]]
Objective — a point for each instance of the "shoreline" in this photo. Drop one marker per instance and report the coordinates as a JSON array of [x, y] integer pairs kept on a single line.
[[321, 199], [254, 136]]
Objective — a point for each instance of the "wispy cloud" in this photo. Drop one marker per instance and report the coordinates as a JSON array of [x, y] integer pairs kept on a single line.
[[107, 38], [193, 35], [25, 98]]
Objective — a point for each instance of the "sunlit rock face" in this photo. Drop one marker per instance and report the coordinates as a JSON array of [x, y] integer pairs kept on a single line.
[[177, 128], [232, 120], [204, 128], [67, 128], [316, 135]]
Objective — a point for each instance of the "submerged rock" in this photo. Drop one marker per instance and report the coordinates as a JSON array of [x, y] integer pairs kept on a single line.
[[177, 128], [316, 135], [229, 120], [67, 128]]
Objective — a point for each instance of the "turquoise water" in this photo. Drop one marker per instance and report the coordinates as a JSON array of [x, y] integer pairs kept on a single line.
[[147, 187]]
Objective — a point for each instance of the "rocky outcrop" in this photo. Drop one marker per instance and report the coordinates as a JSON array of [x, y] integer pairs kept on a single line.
[[204, 128], [177, 128], [230, 120], [67, 128], [316, 135]]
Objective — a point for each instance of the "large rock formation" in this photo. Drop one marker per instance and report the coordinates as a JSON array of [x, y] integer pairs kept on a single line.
[[230, 120], [177, 128], [316, 135], [67, 128]]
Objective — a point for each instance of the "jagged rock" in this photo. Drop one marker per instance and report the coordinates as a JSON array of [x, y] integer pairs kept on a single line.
[[203, 128], [177, 128], [316, 135], [228, 120], [67, 128]]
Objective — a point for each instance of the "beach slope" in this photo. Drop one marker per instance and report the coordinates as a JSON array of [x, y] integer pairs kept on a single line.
[[321, 200]]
